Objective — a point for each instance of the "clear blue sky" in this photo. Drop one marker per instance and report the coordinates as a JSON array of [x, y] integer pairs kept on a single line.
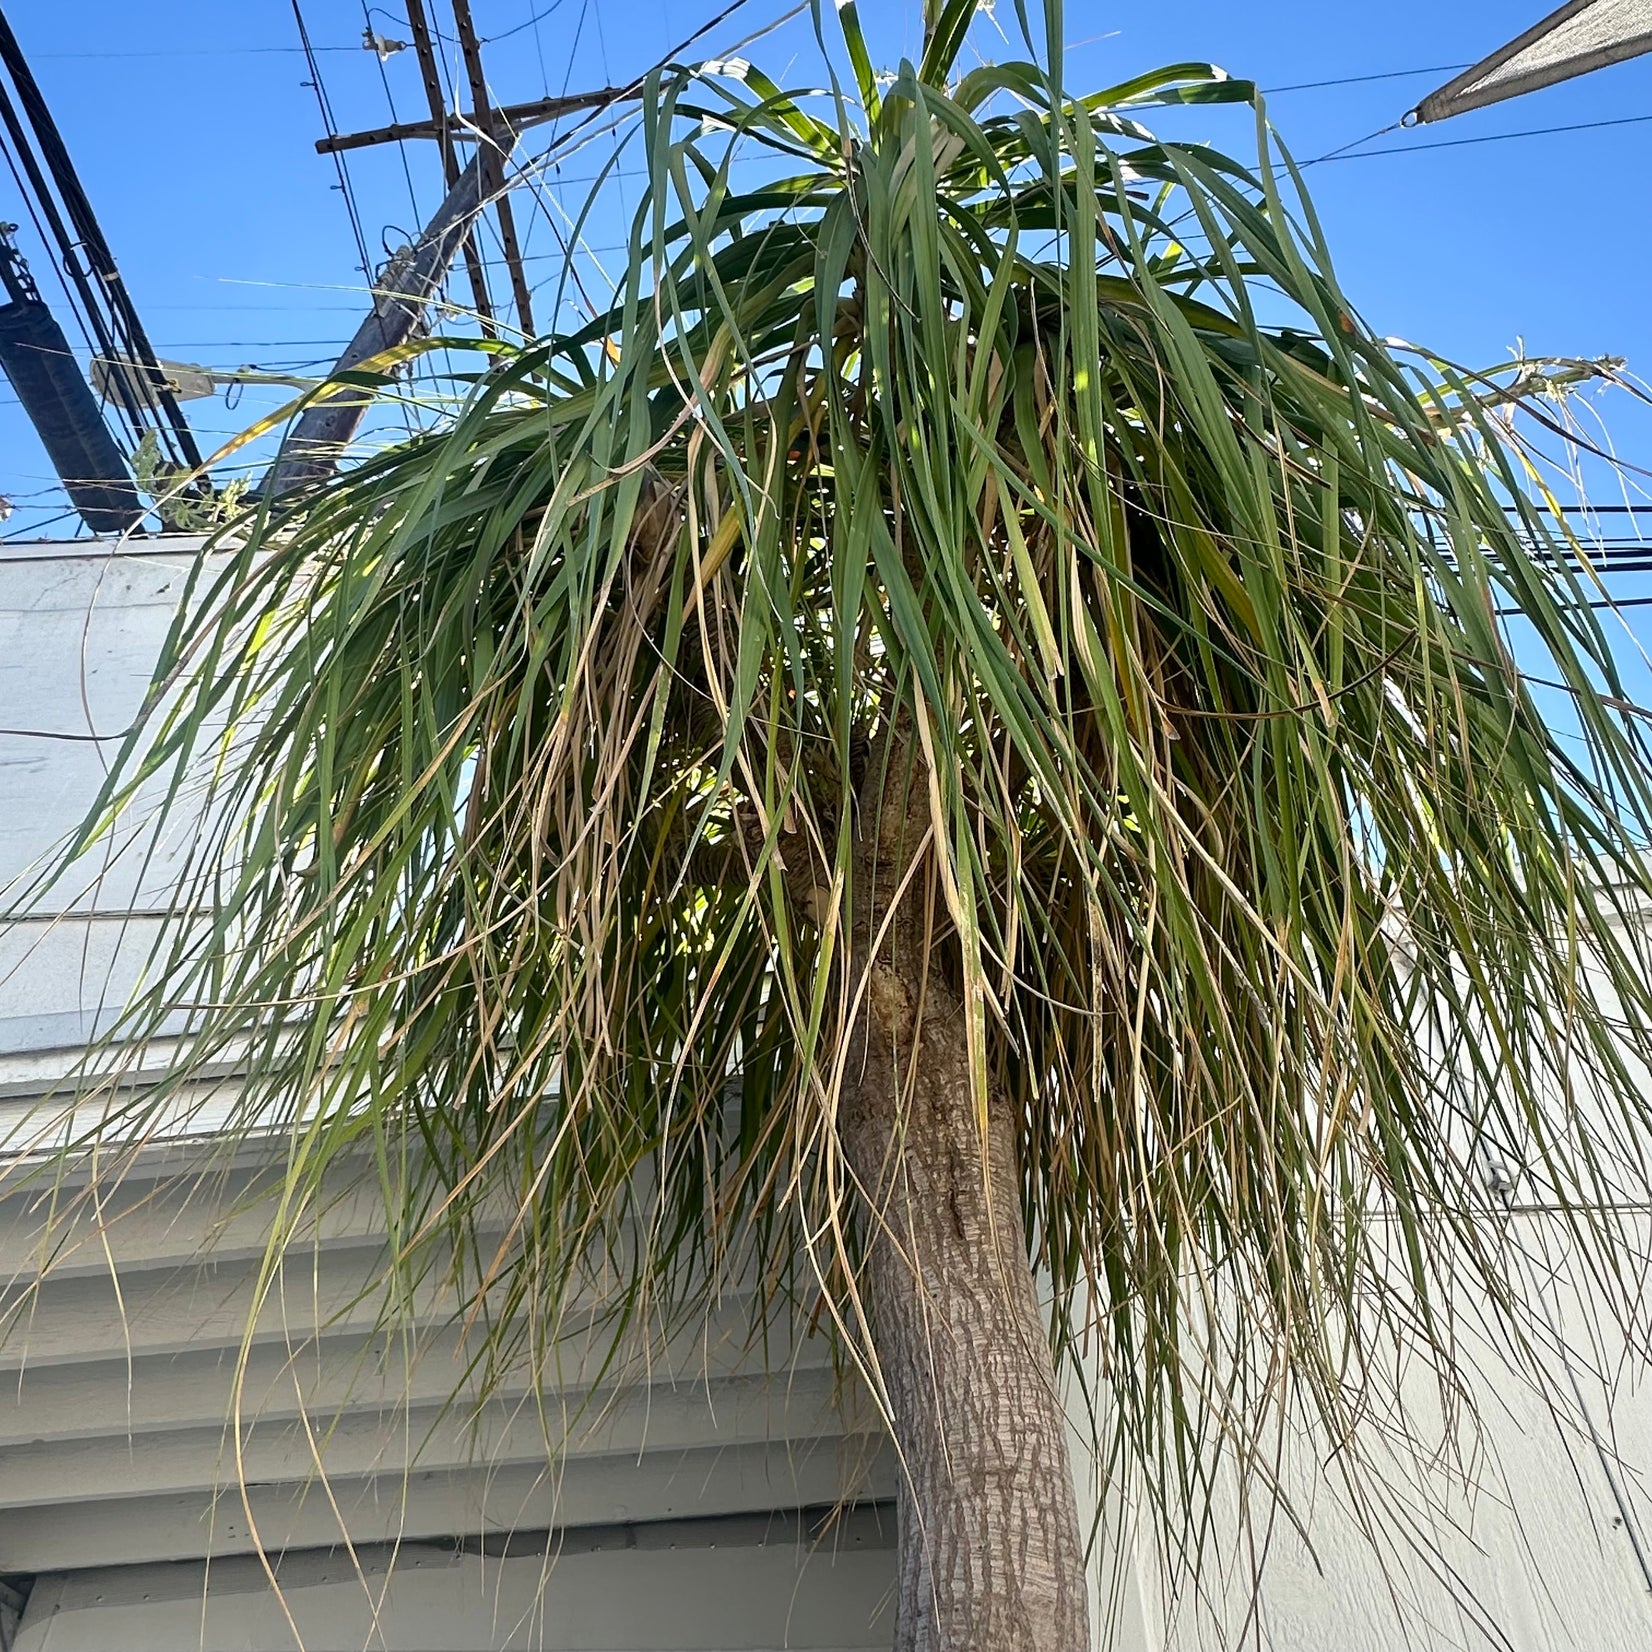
[[193, 133]]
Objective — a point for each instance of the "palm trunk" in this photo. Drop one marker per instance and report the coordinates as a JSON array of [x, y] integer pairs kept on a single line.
[[990, 1553]]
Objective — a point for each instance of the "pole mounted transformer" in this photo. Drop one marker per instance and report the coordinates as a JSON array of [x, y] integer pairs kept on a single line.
[[1581, 36], [78, 432], [59, 403]]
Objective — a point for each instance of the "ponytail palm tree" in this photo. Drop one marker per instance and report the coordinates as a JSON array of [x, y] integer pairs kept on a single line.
[[954, 754]]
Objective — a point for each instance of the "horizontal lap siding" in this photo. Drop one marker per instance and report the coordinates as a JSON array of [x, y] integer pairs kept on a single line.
[[139, 1314], [718, 1586]]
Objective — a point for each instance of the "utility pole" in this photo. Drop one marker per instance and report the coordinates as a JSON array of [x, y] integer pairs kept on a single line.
[[513, 115], [492, 128], [492, 152], [412, 278], [424, 49], [403, 292]]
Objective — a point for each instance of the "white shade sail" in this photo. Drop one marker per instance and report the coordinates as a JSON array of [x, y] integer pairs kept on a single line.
[[1580, 36]]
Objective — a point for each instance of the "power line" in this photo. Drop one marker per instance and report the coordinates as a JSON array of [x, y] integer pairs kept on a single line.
[[401, 148], [536, 207], [203, 51], [533, 22], [277, 51], [492, 153], [245, 343], [1360, 80], [1486, 137], [90, 273], [77, 280], [332, 130], [268, 309], [390, 99], [27, 196], [1608, 603]]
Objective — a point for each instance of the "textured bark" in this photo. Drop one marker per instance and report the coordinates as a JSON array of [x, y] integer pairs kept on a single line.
[[990, 1551]]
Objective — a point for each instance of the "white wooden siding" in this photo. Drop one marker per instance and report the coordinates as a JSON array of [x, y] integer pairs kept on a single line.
[[720, 1586], [129, 1333]]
